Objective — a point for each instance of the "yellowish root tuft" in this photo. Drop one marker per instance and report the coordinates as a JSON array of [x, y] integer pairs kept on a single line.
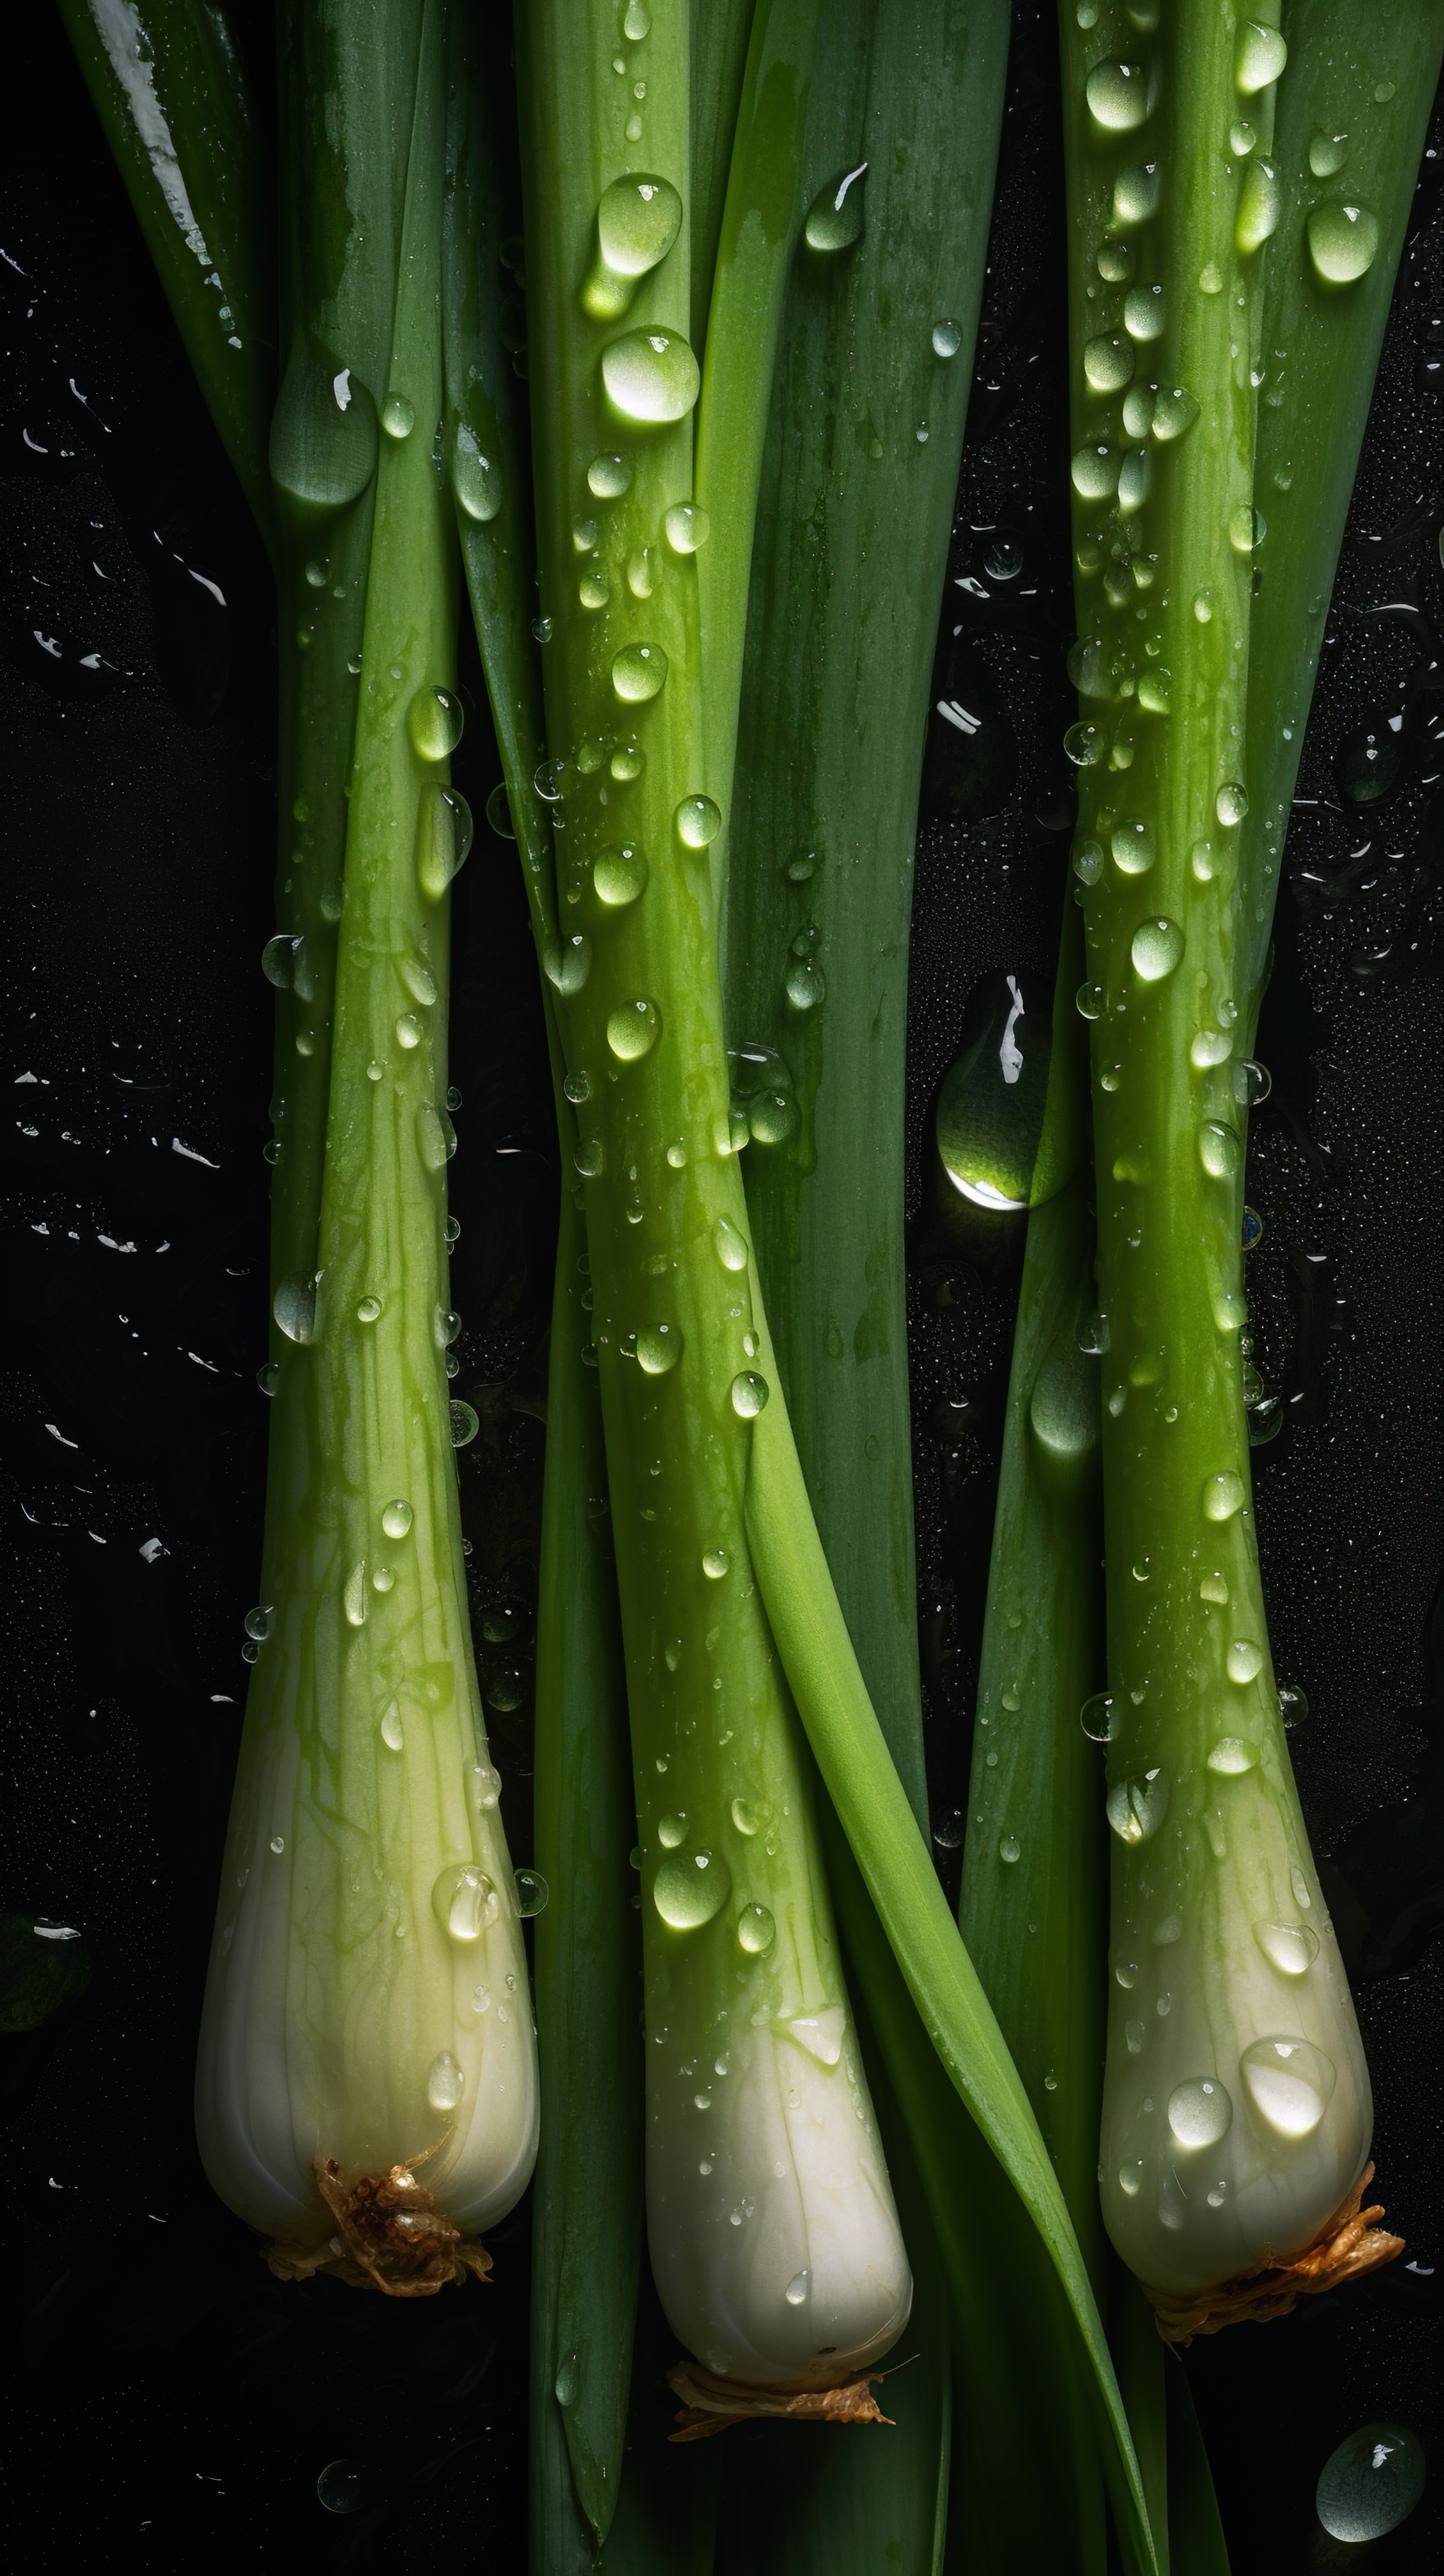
[[710, 2403], [1349, 2244], [384, 2232]]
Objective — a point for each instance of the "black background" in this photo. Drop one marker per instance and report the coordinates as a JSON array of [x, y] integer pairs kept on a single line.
[[168, 2405]]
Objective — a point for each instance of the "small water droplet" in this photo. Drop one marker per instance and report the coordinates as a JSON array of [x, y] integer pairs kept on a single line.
[[568, 962], [1260, 207], [1117, 95], [1290, 1947], [1327, 153], [464, 1901], [532, 1892], [947, 339], [1084, 745], [1293, 1707], [434, 721], [1134, 847], [639, 672], [1200, 2112], [398, 416], [715, 1563], [1009, 1849], [1223, 1495], [1259, 57], [698, 821], [1174, 413], [633, 1030], [687, 527], [756, 1930], [729, 1246], [689, 1890], [1099, 1718], [475, 481], [835, 216], [445, 2082], [1136, 1808], [465, 1424], [749, 1394], [659, 1348], [1156, 950], [1342, 242], [797, 2290], [1218, 1149], [1145, 315], [568, 2380]]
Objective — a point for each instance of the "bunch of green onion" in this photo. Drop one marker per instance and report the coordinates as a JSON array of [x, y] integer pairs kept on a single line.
[[705, 604]]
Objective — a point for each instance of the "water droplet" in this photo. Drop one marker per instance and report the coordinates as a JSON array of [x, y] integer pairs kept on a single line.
[[278, 960], [1115, 259], [756, 1931], [835, 216], [294, 1307], [1108, 363], [1290, 1947], [1145, 314], [268, 1377], [639, 672], [1200, 2112], [715, 1563], [464, 1901], [947, 339], [1293, 1707], [743, 1818], [1088, 862], [392, 1732], [1094, 471], [396, 1519], [651, 375], [1117, 95], [1134, 847], [698, 821], [1259, 56], [568, 962], [633, 1030], [1090, 999], [434, 720], [1327, 153], [541, 628], [638, 220], [1223, 1495], [1218, 1149], [1084, 745], [729, 1245], [1156, 950], [445, 2082], [1342, 242], [1135, 194], [1245, 1660], [1098, 1717], [687, 527], [659, 1348], [1371, 2483], [689, 1891], [345, 2486], [532, 1892], [1232, 1755], [464, 1424], [671, 1831], [568, 2380], [1130, 2179], [990, 1107], [475, 481], [1289, 2082], [1174, 413], [398, 416], [749, 1394], [578, 1088], [1260, 207], [590, 1160], [1009, 1849], [1136, 1808]]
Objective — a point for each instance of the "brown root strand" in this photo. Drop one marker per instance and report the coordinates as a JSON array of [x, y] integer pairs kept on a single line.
[[1347, 2246], [384, 2232], [710, 2403]]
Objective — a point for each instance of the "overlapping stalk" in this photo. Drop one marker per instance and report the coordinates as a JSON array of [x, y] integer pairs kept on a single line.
[[1236, 2109], [366, 2087], [772, 2230]]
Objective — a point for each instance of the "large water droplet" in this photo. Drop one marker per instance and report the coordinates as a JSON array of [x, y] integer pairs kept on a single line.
[[445, 2082], [633, 1030], [729, 1246], [797, 2290], [1156, 950], [651, 375], [1290, 1947], [1327, 153], [687, 527], [1108, 363], [1342, 242], [1200, 2111], [443, 838], [1117, 95], [294, 1307], [1094, 472], [835, 216], [465, 1424], [1232, 1755], [434, 721], [1223, 1495], [1136, 1808], [638, 673], [1218, 1149], [531, 1892], [1260, 207], [689, 1891], [1371, 2483], [638, 220], [1231, 802], [1289, 2082], [1174, 412], [464, 1901], [749, 1394], [1259, 56], [1099, 1718], [278, 961], [1135, 194], [659, 1348], [568, 962], [990, 1109], [475, 480], [1145, 313], [756, 1930]]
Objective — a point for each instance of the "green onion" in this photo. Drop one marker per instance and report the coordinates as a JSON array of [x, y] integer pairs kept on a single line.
[[1236, 2105], [773, 2235], [367, 2087]]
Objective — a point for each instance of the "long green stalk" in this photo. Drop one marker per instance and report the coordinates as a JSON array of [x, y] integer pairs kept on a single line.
[[178, 115], [367, 2009], [752, 2062], [855, 516], [1236, 2107]]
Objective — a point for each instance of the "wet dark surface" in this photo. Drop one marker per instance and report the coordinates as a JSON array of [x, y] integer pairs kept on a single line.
[[169, 2405]]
